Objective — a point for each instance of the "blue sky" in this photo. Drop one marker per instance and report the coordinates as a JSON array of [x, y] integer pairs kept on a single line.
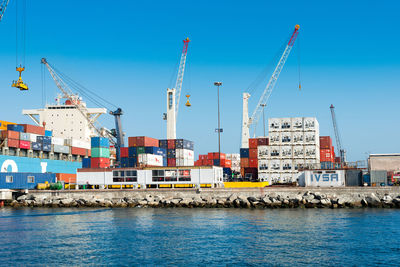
[[128, 51]]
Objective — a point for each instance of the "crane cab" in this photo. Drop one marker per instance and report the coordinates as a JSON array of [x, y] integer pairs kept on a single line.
[[19, 83]]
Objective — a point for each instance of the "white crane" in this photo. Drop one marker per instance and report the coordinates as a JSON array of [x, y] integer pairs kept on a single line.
[[253, 120], [3, 5], [174, 94], [342, 151]]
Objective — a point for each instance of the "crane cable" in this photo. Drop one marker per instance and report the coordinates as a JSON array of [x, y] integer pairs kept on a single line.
[[299, 61], [20, 21]]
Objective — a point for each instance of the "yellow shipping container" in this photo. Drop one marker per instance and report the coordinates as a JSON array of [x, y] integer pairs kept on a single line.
[[245, 184], [3, 124]]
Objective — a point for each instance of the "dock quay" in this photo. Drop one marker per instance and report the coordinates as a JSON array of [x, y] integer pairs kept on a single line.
[[270, 197]]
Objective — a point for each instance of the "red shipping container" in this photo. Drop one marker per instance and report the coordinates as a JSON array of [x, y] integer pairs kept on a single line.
[[262, 141], [337, 159], [209, 162], [171, 144], [28, 128], [66, 177], [132, 141], [171, 162], [253, 163], [253, 153], [252, 171], [253, 143], [215, 155], [9, 134], [244, 162], [78, 151], [100, 162], [210, 155], [228, 163], [326, 155], [124, 152], [13, 143], [146, 141], [325, 142], [202, 157], [24, 144]]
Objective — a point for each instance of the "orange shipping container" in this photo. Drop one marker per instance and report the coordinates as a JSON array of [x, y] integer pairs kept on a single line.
[[244, 162], [253, 153], [12, 143], [146, 141], [325, 142], [228, 163], [66, 177], [28, 128], [132, 141], [9, 134], [253, 142], [78, 151]]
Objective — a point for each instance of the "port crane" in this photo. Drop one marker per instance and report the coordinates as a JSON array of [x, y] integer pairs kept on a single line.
[[247, 122], [64, 83], [3, 6], [174, 94], [342, 152]]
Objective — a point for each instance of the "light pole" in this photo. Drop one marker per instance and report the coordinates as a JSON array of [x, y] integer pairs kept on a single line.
[[218, 84], [263, 106]]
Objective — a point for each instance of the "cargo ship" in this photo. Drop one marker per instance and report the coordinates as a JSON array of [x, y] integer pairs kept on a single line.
[[57, 143]]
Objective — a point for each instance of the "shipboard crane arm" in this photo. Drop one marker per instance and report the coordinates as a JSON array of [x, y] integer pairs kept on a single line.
[[253, 120], [181, 72], [3, 6]]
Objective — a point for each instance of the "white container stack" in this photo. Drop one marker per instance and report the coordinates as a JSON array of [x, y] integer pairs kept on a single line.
[[150, 160], [294, 145], [235, 159], [184, 157]]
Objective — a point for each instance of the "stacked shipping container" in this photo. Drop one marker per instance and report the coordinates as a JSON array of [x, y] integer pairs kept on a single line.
[[293, 145], [249, 157], [215, 159], [327, 153], [180, 152]]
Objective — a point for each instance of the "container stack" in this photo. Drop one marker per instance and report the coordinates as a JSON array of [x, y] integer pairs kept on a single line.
[[327, 153], [249, 157], [215, 159], [293, 145], [143, 151], [235, 161], [180, 152], [100, 152]]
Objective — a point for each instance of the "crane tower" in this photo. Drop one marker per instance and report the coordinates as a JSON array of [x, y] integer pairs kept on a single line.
[[342, 152], [253, 120], [174, 94]]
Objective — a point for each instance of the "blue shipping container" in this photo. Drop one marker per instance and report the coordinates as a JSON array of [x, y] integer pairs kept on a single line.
[[155, 150], [163, 143], [86, 163], [227, 171], [46, 147], [165, 162], [327, 165], [132, 162], [184, 144], [171, 153], [24, 180], [124, 162], [15, 128], [99, 142], [37, 146], [216, 162], [244, 152], [48, 133], [44, 139], [132, 151]]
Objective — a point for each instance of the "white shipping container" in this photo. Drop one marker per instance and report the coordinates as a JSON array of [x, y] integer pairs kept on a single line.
[[184, 162], [274, 125], [312, 164], [298, 152], [298, 138], [286, 124], [184, 154], [287, 165], [310, 138], [274, 165], [297, 124], [274, 151], [262, 165], [274, 138], [286, 138], [275, 177], [264, 176], [263, 151], [150, 160], [310, 124], [57, 141], [32, 137], [77, 143], [323, 178], [310, 151], [286, 177], [286, 152], [298, 164]]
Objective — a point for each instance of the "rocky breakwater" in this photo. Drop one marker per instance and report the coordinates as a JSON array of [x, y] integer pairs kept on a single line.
[[219, 199]]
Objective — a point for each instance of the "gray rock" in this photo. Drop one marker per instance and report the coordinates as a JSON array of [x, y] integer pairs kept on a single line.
[[272, 195], [23, 197], [66, 201], [373, 199], [142, 202], [325, 201], [308, 197], [315, 201], [266, 200], [387, 199], [176, 201]]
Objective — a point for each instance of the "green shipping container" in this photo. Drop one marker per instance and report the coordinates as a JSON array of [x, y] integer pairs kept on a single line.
[[140, 150], [100, 152]]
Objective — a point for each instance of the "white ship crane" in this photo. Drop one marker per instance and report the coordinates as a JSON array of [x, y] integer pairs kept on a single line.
[[174, 94], [3, 6], [90, 115], [247, 122]]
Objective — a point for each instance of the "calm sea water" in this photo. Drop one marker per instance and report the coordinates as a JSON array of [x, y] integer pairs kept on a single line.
[[199, 237]]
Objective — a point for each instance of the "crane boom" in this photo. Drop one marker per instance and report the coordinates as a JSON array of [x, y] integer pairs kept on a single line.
[[3, 6], [181, 71], [342, 152], [272, 81]]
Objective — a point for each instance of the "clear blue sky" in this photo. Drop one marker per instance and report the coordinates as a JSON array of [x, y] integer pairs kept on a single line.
[[127, 51]]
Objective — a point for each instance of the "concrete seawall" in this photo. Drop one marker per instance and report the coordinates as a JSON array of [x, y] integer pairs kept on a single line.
[[271, 197]]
